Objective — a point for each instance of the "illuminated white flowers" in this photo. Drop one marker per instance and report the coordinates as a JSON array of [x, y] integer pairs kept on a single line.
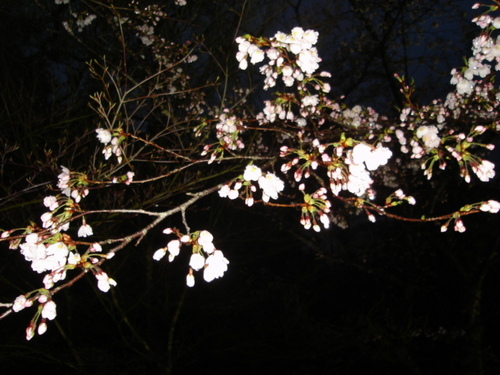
[[49, 310], [252, 173], [245, 49], [485, 170], [271, 185], [104, 136], [429, 135], [21, 302], [50, 202], [205, 240], [104, 282], [190, 279], [298, 42], [85, 231], [228, 131], [197, 261], [226, 192], [204, 256], [216, 265], [174, 248], [43, 258], [490, 206], [308, 61], [159, 254], [371, 157]]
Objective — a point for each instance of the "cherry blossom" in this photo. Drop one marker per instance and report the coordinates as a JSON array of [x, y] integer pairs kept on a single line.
[[252, 173], [429, 135], [104, 282], [85, 231], [205, 240], [20, 303], [271, 185], [197, 261], [104, 136], [216, 265], [173, 248], [490, 206], [190, 281], [49, 310]]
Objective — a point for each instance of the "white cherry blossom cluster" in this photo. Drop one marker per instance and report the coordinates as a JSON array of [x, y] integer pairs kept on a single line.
[[485, 50], [146, 34], [429, 136], [111, 144], [491, 206], [360, 160], [53, 252], [269, 183], [47, 249], [299, 43], [316, 206], [426, 132], [204, 254], [352, 172], [47, 310], [228, 131], [274, 111], [56, 253], [484, 170], [294, 58], [71, 185], [44, 256], [347, 170], [104, 282], [82, 21]]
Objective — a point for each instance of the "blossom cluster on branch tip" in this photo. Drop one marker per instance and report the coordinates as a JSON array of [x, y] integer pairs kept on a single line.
[[228, 131], [491, 206], [112, 144], [316, 206], [269, 183], [204, 254], [298, 43], [104, 282], [47, 310], [50, 250]]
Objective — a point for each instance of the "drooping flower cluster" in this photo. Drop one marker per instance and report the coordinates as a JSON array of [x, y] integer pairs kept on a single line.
[[204, 254], [228, 131], [270, 184], [486, 50], [429, 135], [50, 250], [315, 206], [47, 310], [44, 257], [111, 143]]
